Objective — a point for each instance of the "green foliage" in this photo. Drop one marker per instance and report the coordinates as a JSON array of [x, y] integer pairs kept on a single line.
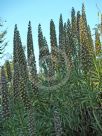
[[73, 109]]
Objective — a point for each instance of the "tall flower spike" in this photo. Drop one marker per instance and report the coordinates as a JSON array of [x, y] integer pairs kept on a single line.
[[61, 30], [97, 44], [31, 125], [23, 82], [31, 59], [84, 15], [8, 69], [73, 22], [53, 42], [5, 96], [57, 122], [15, 46], [43, 50], [86, 58], [16, 78], [30, 52], [22, 64]]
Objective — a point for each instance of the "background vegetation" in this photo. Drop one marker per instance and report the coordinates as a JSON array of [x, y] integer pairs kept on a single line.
[[74, 109]]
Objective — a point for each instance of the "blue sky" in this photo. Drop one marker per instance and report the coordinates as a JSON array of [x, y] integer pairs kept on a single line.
[[41, 11]]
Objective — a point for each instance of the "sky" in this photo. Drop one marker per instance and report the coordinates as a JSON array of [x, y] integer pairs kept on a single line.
[[41, 11]]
